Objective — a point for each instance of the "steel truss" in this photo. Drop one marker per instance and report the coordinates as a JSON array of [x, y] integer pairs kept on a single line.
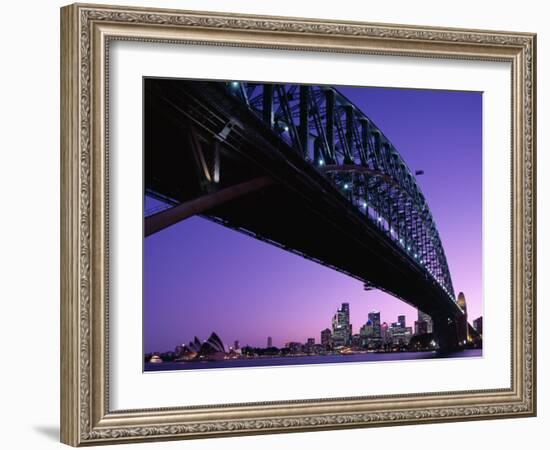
[[336, 137]]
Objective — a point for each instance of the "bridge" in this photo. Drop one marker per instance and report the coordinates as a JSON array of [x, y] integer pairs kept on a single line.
[[302, 168]]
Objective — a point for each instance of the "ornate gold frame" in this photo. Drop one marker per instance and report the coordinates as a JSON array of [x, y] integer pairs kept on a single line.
[[86, 31]]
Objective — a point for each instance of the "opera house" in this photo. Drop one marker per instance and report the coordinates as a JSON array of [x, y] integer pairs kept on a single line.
[[210, 350]]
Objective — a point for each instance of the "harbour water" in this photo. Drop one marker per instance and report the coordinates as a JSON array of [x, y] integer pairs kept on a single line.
[[307, 360]]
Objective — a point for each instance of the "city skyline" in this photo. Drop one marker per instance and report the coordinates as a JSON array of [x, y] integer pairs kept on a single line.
[[283, 341], [197, 272], [372, 333]]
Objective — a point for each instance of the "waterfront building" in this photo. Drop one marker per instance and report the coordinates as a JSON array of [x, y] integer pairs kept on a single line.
[[374, 317], [210, 349], [294, 347], [400, 336], [366, 332], [341, 327], [385, 335], [318, 348], [326, 338], [155, 359]]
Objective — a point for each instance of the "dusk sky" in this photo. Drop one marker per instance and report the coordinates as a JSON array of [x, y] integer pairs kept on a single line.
[[200, 277]]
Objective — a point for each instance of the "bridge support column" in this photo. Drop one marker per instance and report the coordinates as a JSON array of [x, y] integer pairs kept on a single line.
[[446, 333]]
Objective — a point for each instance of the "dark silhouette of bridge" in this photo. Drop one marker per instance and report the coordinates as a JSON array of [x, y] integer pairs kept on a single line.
[[300, 167]]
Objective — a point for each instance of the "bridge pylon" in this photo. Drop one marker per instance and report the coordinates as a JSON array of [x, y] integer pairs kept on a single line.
[[447, 333]]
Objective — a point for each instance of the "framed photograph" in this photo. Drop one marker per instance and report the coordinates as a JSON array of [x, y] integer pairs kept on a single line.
[[276, 224]]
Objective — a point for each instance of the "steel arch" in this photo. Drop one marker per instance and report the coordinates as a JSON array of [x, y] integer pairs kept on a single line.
[[336, 137]]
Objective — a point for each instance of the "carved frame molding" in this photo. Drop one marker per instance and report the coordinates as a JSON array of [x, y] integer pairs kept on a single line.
[[86, 31]]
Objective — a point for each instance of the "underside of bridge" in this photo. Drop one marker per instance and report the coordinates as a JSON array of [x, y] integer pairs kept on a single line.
[[206, 153]]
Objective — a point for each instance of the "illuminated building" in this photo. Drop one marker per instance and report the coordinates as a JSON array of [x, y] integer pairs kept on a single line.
[[155, 359], [341, 328], [374, 317], [366, 332], [326, 338], [211, 349], [385, 335]]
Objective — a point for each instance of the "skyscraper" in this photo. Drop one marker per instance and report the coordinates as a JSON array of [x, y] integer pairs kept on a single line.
[[374, 317], [385, 335], [341, 328], [366, 332], [401, 320], [269, 342]]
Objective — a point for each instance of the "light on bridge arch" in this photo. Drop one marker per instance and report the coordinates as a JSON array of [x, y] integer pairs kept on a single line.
[[321, 162], [235, 84]]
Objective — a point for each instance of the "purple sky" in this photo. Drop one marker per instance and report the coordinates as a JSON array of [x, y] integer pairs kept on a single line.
[[200, 277]]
